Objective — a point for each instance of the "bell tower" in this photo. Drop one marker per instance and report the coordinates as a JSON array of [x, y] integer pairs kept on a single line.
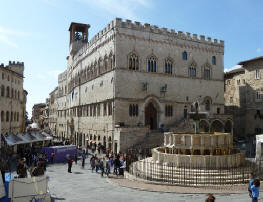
[[78, 36]]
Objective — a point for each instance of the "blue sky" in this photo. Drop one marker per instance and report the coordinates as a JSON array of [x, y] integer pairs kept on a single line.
[[36, 31]]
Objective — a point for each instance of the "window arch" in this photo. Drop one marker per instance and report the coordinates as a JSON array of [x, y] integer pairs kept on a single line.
[[105, 62], [214, 60], [192, 71], [207, 73], [7, 91], [168, 66], [2, 90], [2, 116], [152, 67], [207, 105], [133, 62], [184, 55], [7, 116], [207, 102]]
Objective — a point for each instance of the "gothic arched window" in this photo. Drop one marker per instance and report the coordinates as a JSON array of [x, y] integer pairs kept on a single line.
[[133, 62], [184, 55], [207, 73], [2, 116], [7, 91], [152, 64], [214, 60], [192, 71], [7, 116], [2, 90], [168, 67]]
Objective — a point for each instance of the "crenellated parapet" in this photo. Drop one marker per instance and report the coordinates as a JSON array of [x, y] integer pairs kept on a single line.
[[14, 63], [17, 67], [118, 22]]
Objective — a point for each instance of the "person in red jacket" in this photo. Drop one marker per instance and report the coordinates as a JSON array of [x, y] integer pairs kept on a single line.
[[70, 161]]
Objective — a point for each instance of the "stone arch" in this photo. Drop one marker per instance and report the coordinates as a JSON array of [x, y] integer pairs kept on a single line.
[[228, 126], [204, 126], [217, 126], [151, 112], [207, 102], [94, 137]]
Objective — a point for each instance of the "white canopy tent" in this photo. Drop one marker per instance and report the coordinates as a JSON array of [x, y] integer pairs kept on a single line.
[[259, 147]]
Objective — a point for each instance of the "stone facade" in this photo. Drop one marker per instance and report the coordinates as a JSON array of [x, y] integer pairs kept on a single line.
[[134, 75], [243, 97], [38, 114], [12, 98], [52, 112]]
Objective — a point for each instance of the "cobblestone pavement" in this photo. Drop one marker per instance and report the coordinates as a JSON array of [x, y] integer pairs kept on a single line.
[[83, 185]]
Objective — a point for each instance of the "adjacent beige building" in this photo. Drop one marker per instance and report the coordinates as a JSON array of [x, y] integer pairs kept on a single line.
[[12, 98], [131, 78], [243, 97]]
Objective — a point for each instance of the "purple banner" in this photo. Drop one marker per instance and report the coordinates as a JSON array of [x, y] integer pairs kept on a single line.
[[61, 152]]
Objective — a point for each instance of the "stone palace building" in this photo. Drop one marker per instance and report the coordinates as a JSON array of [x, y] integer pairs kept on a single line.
[[130, 79], [12, 98], [244, 97]]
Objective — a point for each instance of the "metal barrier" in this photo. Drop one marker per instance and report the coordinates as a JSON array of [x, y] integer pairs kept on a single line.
[[195, 175]]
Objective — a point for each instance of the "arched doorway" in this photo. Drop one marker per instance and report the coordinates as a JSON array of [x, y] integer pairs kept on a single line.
[[151, 116]]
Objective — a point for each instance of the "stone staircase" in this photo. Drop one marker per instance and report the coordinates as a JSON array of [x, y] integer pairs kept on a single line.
[[154, 139]]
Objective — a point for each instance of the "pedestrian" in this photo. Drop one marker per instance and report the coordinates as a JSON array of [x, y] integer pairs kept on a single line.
[[210, 198], [70, 161], [21, 169], [87, 151], [97, 164], [52, 157], [83, 159], [255, 190], [251, 180], [108, 166], [102, 166], [3, 168], [76, 158], [123, 167], [92, 163]]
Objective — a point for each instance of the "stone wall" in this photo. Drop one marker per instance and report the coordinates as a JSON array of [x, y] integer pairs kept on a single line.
[[11, 76]]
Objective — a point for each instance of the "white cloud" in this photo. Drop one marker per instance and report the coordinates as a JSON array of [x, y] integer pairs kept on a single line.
[[259, 50], [120, 8], [6, 36], [4, 39], [232, 68]]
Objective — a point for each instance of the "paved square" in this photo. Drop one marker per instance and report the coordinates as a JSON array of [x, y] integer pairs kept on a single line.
[[83, 185]]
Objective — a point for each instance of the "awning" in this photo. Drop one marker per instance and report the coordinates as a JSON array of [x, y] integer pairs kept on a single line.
[[12, 139], [26, 138]]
